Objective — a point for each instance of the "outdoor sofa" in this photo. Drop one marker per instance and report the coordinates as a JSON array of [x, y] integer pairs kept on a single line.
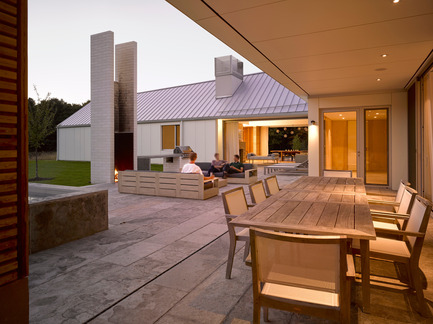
[[270, 157], [247, 177], [167, 184]]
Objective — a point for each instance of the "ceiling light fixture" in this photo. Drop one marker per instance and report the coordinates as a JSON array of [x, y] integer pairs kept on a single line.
[[384, 55], [395, 1], [378, 79]]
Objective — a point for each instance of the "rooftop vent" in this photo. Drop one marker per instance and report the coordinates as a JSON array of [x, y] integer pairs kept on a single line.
[[229, 73]]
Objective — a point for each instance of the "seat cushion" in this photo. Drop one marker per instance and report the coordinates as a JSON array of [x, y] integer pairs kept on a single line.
[[301, 294], [384, 225], [386, 246], [245, 232], [237, 175]]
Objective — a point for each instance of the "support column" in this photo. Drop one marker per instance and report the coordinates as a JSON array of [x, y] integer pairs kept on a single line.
[[102, 101]]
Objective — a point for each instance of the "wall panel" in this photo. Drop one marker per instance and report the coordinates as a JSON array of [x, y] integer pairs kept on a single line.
[[13, 162]]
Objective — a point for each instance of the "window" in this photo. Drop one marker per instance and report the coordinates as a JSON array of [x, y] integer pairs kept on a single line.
[[170, 137]]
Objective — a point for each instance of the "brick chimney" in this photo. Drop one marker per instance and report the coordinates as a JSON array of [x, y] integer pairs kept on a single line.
[[229, 74], [114, 107]]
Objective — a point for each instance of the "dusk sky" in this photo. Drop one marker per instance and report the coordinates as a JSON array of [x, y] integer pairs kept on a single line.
[[172, 49]]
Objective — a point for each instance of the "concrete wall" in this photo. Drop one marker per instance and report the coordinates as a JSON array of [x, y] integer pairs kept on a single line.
[[200, 135], [397, 104], [73, 144]]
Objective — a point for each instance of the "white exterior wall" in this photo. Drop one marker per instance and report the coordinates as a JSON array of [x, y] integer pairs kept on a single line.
[[201, 135], [397, 103], [73, 144]]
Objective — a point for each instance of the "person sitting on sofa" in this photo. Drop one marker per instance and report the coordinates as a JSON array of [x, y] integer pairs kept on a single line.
[[234, 167], [191, 167], [217, 164]]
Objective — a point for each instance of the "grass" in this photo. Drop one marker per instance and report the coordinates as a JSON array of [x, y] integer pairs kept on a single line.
[[66, 173]]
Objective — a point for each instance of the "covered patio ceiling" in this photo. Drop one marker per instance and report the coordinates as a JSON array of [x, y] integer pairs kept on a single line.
[[317, 47]]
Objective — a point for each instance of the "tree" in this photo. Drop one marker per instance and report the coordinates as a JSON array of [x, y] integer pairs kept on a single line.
[[41, 117], [297, 143]]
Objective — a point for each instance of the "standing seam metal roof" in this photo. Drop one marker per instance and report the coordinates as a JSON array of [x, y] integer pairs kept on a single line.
[[257, 95]]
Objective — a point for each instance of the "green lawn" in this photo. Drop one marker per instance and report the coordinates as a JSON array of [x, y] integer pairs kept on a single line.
[[67, 173]]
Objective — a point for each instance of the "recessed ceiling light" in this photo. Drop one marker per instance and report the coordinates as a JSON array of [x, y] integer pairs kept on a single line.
[[343, 118], [375, 117], [378, 79], [377, 113], [384, 55], [395, 1], [341, 115]]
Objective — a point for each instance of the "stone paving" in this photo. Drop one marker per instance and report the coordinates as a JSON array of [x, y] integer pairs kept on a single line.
[[163, 261]]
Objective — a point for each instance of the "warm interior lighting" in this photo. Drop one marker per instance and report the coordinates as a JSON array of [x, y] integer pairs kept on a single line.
[[384, 55], [116, 175], [395, 1], [378, 79]]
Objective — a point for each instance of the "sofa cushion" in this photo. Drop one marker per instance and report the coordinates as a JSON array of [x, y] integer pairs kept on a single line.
[[237, 175]]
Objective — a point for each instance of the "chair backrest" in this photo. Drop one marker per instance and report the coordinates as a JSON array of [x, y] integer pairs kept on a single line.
[[401, 187], [337, 173], [313, 262], [407, 200], [418, 220], [257, 192], [234, 201], [271, 184]]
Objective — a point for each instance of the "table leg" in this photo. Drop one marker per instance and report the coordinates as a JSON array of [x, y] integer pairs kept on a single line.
[[365, 271]]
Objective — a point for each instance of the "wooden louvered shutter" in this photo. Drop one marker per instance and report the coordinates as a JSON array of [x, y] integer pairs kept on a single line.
[[13, 142]]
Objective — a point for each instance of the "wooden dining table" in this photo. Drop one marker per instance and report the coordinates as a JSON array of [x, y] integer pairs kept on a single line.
[[321, 206]]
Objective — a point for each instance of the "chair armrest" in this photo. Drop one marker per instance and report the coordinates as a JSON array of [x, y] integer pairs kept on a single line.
[[382, 202], [250, 173], [230, 217], [399, 232], [251, 205], [350, 266], [390, 215]]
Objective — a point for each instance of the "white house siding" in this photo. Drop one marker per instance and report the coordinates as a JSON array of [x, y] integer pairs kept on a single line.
[[73, 144], [201, 135], [397, 103]]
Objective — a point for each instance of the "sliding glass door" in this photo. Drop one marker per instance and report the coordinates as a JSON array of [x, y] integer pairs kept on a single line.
[[340, 141], [356, 140], [376, 146]]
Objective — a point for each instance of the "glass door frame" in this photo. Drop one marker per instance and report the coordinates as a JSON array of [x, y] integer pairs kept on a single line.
[[360, 138]]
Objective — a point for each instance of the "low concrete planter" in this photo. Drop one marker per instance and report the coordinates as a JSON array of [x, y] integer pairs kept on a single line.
[[59, 214]]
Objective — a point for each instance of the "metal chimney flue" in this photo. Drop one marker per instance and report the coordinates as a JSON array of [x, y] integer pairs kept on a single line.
[[229, 74]]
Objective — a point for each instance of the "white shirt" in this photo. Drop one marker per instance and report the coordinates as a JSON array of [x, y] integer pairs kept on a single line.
[[191, 168]]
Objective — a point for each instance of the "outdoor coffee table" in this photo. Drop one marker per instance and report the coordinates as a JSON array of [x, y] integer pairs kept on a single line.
[[320, 206]]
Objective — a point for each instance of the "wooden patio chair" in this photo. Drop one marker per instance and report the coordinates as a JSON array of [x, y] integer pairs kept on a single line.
[[407, 251], [392, 204], [337, 173], [235, 204], [302, 274], [271, 184], [395, 220], [257, 192]]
